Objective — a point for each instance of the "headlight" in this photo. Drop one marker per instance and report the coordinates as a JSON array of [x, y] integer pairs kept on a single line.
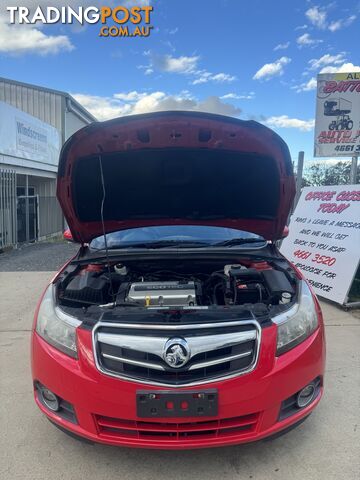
[[55, 327], [294, 326]]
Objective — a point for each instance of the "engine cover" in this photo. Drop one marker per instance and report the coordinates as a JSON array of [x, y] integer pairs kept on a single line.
[[167, 294]]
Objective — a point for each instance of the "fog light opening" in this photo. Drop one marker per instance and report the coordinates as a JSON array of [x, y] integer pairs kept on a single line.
[[50, 400], [305, 396]]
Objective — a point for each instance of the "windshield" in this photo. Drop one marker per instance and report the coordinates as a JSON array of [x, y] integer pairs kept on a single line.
[[176, 235]]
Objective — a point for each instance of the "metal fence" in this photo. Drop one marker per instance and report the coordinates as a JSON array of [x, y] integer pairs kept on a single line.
[[26, 218], [38, 217], [8, 221], [50, 217]]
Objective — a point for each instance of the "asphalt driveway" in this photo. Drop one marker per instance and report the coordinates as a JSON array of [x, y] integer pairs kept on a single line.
[[326, 446], [40, 257]]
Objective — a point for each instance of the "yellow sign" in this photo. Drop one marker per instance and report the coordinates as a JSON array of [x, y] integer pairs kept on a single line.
[[122, 16]]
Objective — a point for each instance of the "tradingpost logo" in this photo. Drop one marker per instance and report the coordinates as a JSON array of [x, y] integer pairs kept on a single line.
[[116, 21]]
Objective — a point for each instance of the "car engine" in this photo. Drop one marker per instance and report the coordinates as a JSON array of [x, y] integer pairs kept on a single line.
[[169, 294], [189, 285]]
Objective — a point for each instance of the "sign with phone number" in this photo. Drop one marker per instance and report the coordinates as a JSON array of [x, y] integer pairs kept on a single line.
[[337, 121], [324, 238]]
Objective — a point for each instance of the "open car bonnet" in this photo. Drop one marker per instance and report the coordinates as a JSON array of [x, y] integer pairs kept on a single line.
[[175, 168]]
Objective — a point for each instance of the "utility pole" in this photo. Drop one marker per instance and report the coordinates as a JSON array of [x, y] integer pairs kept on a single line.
[[353, 170], [299, 176]]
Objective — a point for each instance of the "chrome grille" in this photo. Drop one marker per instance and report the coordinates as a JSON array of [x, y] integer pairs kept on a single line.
[[216, 350]]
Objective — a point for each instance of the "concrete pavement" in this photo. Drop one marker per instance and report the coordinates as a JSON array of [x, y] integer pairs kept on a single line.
[[326, 446]]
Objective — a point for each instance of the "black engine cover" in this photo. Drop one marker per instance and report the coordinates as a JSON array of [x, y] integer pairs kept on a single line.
[[88, 288]]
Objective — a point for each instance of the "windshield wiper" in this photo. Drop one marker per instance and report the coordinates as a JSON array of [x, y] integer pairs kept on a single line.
[[163, 244], [238, 241]]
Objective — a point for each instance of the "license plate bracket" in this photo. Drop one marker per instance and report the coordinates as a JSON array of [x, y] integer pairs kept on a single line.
[[167, 403]]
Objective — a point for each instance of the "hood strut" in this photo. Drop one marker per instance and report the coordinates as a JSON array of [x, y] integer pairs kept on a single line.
[[103, 227]]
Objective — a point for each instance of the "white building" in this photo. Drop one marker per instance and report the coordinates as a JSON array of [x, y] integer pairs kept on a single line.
[[34, 124]]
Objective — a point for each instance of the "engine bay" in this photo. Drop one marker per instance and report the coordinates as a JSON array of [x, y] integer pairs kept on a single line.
[[171, 284]]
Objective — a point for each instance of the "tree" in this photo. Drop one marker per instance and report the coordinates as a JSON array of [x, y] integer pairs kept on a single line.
[[319, 174]]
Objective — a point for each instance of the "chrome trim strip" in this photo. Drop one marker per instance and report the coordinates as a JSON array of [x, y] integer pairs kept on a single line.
[[134, 362], [61, 315], [134, 342], [292, 311], [220, 360], [70, 320], [183, 326], [156, 345], [171, 328], [160, 367]]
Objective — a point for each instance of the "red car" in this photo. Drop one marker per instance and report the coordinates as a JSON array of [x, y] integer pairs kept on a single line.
[[183, 326]]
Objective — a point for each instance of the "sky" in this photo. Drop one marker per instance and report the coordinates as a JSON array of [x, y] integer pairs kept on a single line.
[[253, 59]]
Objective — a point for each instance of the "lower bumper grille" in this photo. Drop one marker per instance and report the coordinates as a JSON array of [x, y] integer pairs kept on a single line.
[[127, 429]]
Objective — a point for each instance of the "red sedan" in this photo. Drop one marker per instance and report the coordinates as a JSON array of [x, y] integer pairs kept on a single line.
[[178, 324]]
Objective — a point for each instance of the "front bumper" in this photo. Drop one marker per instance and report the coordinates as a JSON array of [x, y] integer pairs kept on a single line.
[[249, 405]]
